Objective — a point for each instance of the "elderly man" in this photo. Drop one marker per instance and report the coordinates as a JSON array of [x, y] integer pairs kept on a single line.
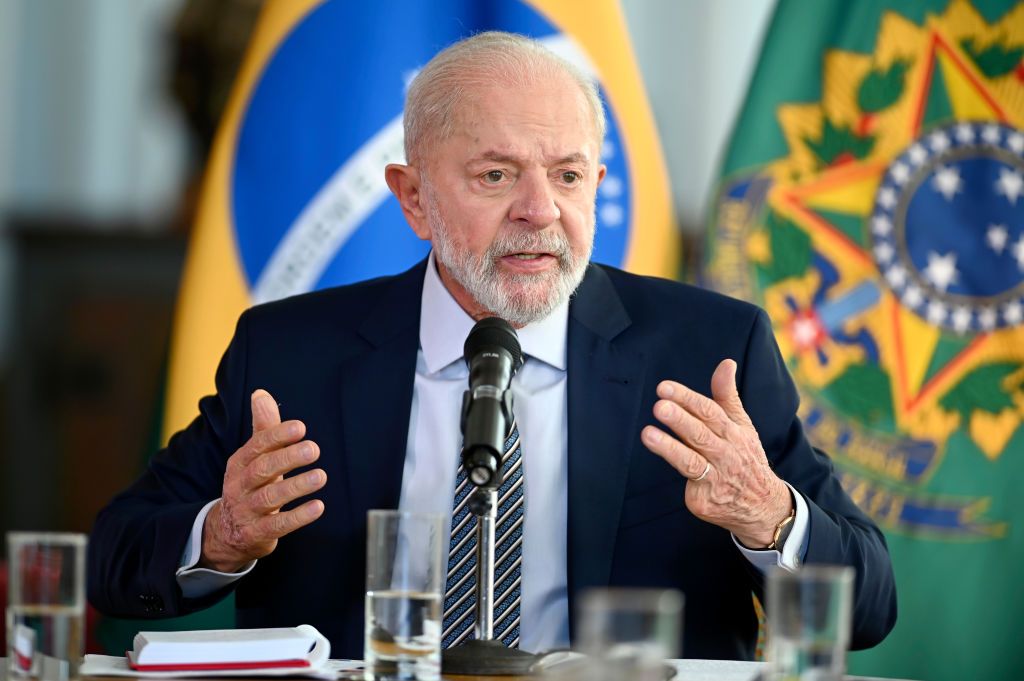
[[657, 427]]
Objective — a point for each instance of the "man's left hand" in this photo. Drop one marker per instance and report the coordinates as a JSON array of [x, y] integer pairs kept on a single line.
[[717, 448]]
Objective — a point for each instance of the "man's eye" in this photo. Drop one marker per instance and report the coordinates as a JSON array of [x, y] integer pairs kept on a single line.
[[571, 177], [494, 176]]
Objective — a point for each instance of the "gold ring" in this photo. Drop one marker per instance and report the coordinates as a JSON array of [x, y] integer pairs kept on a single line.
[[707, 467]]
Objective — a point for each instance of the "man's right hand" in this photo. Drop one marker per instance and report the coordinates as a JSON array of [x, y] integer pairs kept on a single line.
[[247, 521]]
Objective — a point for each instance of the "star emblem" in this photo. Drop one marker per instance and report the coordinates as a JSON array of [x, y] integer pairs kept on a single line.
[[1013, 313], [918, 155], [987, 318], [913, 296], [1010, 184], [990, 133], [897, 276], [937, 312], [1018, 252], [884, 252], [881, 225], [964, 133], [961, 319], [887, 197], [995, 237], [941, 270], [806, 331], [947, 182], [901, 172], [939, 141]]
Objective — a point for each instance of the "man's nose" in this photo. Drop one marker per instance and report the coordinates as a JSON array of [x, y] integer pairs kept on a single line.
[[534, 203]]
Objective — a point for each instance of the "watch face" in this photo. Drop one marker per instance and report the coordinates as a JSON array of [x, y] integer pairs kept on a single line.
[[782, 532]]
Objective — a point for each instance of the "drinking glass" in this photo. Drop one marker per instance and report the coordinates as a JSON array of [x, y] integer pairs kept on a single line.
[[809, 613], [404, 593], [629, 634], [45, 604]]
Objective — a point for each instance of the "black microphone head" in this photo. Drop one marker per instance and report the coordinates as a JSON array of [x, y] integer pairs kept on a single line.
[[494, 332]]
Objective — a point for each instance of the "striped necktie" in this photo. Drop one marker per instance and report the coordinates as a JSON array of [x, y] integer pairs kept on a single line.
[[460, 591]]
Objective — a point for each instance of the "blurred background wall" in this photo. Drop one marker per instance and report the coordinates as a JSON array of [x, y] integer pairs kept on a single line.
[[102, 138], [107, 109]]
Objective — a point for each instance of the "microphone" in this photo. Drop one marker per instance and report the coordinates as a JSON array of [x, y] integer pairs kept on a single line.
[[493, 356]]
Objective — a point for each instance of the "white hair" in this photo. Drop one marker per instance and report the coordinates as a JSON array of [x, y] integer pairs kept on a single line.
[[480, 61]]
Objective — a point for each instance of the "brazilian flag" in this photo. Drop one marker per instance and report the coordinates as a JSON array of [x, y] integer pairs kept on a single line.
[[294, 197], [872, 200]]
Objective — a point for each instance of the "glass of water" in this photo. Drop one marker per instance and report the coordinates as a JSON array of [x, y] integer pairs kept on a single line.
[[404, 583], [809, 615], [629, 634], [45, 604]]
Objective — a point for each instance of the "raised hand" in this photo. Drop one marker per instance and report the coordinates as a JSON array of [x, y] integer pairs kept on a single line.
[[713, 443], [247, 521]]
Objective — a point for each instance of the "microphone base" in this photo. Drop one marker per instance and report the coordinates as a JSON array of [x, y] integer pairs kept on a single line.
[[486, 658]]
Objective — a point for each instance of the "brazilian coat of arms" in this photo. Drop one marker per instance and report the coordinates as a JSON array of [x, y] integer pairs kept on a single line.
[[888, 248]]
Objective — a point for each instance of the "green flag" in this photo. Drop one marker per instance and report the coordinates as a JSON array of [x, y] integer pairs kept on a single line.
[[872, 200]]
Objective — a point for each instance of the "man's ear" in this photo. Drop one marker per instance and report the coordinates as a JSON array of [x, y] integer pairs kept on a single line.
[[406, 184]]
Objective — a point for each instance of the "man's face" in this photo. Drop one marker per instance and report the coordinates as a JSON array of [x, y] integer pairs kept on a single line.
[[509, 199]]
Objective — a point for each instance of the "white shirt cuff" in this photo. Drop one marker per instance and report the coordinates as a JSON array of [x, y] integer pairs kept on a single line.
[[196, 582], [790, 557]]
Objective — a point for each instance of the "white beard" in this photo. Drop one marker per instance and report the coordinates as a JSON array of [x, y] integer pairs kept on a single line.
[[519, 299]]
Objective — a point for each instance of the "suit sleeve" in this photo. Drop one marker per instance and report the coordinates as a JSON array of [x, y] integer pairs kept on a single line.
[[137, 541], [839, 532]]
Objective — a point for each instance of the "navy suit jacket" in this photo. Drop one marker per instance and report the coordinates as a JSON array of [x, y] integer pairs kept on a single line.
[[343, 360]]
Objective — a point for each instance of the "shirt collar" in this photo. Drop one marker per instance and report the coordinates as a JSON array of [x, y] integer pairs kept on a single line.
[[444, 326]]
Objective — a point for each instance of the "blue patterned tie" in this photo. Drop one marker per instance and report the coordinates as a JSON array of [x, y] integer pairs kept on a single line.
[[460, 591]]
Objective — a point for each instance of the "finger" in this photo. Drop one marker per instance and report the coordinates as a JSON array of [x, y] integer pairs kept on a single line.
[[684, 459], [723, 389], [268, 467], [692, 431], [279, 524], [276, 437], [272, 497], [703, 408], [271, 439], [265, 413]]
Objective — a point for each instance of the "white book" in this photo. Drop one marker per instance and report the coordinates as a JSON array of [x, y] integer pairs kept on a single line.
[[225, 648]]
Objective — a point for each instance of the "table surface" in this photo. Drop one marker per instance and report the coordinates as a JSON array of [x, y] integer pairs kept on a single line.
[[690, 670]]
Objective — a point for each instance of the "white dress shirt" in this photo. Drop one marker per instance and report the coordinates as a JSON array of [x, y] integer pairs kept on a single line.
[[432, 457], [538, 397]]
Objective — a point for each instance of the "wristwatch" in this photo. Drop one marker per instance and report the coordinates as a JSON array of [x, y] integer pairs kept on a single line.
[[782, 531]]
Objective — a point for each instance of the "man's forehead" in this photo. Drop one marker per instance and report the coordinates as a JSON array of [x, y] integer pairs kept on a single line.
[[499, 124]]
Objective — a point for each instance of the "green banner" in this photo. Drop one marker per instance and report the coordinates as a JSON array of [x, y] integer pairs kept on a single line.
[[872, 201]]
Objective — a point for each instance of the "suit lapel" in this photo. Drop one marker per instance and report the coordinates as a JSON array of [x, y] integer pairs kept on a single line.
[[376, 396], [605, 384]]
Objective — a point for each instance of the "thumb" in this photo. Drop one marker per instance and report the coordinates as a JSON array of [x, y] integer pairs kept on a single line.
[[265, 413], [723, 390]]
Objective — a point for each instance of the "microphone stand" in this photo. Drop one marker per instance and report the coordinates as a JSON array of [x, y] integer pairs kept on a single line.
[[483, 502], [485, 656]]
